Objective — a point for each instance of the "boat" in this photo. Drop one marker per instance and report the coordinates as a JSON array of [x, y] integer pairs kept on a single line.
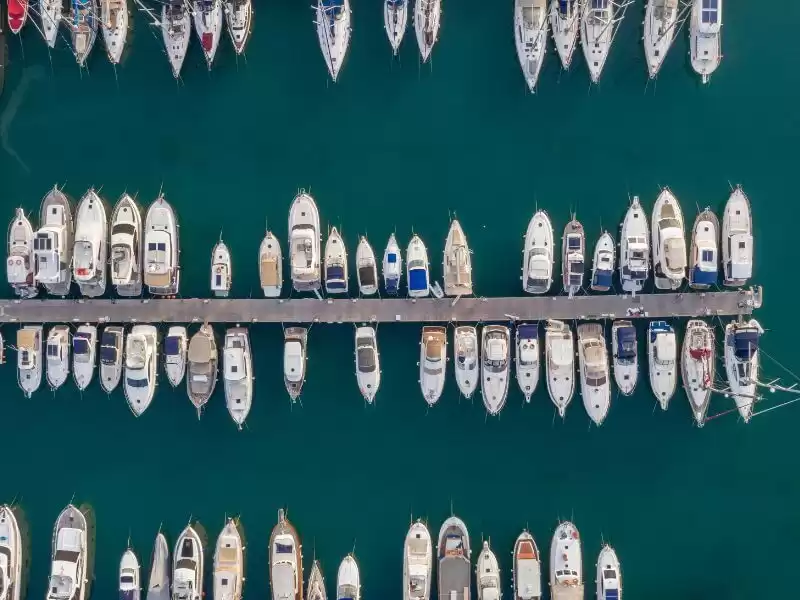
[[742, 363], [11, 556], [609, 575], [698, 360], [669, 243], [625, 356], [52, 244], [537, 257], [593, 361], [417, 563], [348, 580], [208, 26], [661, 23], [705, 37], [176, 29], [395, 21], [316, 584], [68, 569], [20, 264], [737, 239], [333, 31], [162, 249], [336, 272], [111, 348], [599, 23], [84, 351], [495, 358], [237, 363], [559, 350], [574, 249], [565, 21], [2, 350], [187, 566], [368, 366], [201, 377], [90, 253], [304, 243], [487, 574], [51, 16], [427, 17], [294, 360], [129, 570], [392, 266], [457, 263], [176, 345], [57, 356], [158, 583], [417, 268], [141, 367], [285, 561], [465, 342], [270, 266], [126, 247], [238, 18], [528, 358], [704, 253], [17, 16], [221, 270], [527, 575], [566, 566], [29, 353], [83, 28], [530, 34], [229, 563], [662, 355], [432, 362], [453, 553], [114, 17], [634, 248], [366, 268], [603, 263]]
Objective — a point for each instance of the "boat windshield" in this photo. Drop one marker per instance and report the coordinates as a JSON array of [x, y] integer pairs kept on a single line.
[[80, 346], [366, 357], [137, 383], [626, 344]]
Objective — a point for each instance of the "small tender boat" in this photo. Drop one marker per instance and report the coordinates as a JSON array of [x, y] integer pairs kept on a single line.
[[465, 341], [704, 255], [559, 348], [221, 270], [158, 582], [84, 351], [662, 354], [495, 358], [111, 347], [20, 264], [698, 360], [29, 358], [208, 26], [294, 360], [417, 563], [141, 367], [417, 261], [609, 575], [453, 552], [599, 23], [187, 566], [336, 271], [457, 264], [528, 358], [737, 239], [705, 37], [432, 362], [368, 367], [17, 16], [527, 574], [229, 563], [625, 356], [395, 21], [366, 268], [574, 249], [201, 378], [487, 574], [742, 362], [176, 29], [285, 561], [348, 580], [237, 361], [316, 584], [634, 248], [530, 33], [333, 31], [565, 21], [176, 345], [126, 247], [603, 263], [50, 14], [593, 360], [427, 17], [90, 254], [669, 243], [660, 25], [537, 257], [129, 570], [68, 576], [566, 566], [238, 17], [57, 356], [304, 243], [83, 28], [270, 266], [11, 551], [392, 266], [162, 249], [114, 16], [52, 244]]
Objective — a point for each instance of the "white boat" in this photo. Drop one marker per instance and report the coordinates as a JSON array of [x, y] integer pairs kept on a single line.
[[141, 367], [348, 580], [453, 553], [111, 349], [528, 358], [432, 362], [625, 356], [395, 21], [187, 566], [237, 360], [603, 263], [201, 376], [158, 587], [599, 24], [487, 574], [495, 367], [662, 353], [90, 254], [333, 23], [51, 16], [285, 561], [126, 247], [634, 248], [417, 268], [221, 270], [238, 17], [530, 34], [20, 264], [304, 243], [457, 263], [565, 21], [427, 17], [162, 249], [336, 271], [114, 17], [566, 563], [698, 365], [12, 584], [57, 356], [270, 266], [661, 23], [742, 363], [316, 584], [705, 37], [465, 342], [527, 573], [417, 563], [366, 268], [704, 253], [52, 244], [84, 355], [669, 242], [229, 563], [82, 21], [559, 349], [392, 266], [208, 26], [537, 256], [176, 29], [609, 575], [176, 345], [573, 256], [29, 358], [129, 576], [737, 239], [294, 360], [368, 366], [593, 360], [69, 560]]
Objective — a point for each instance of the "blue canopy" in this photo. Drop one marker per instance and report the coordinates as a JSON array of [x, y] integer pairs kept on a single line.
[[172, 345], [703, 277], [334, 273], [657, 327], [573, 242], [108, 354], [602, 278], [391, 285], [527, 331], [745, 343], [80, 345], [626, 342], [418, 280], [612, 595], [126, 594], [108, 339], [392, 258]]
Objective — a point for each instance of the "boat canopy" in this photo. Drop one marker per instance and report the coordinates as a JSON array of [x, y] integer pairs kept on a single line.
[[108, 354], [701, 277], [574, 242], [745, 343], [602, 278], [367, 275], [527, 331], [200, 350], [391, 285], [172, 345], [80, 343], [611, 595], [657, 327], [626, 342], [391, 258], [418, 279], [334, 277]]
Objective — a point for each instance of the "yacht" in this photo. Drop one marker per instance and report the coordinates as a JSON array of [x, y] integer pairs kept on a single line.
[[285, 561], [427, 17], [238, 17], [162, 249], [12, 583], [559, 349], [395, 21], [598, 28], [566, 566], [208, 26], [661, 23], [593, 360], [111, 347], [201, 377], [187, 566], [453, 553], [417, 563], [528, 358], [705, 37], [487, 574], [527, 575], [625, 356], [17, 16], [229, 563], [114, 17], [238, 374], [90, 255], [83, 28], [465, 342], [348, 580], [662, 355], [634, 248], [574, 249], [333, 30], [457, 264], [176, 29], [565, 20], [20, 265], [221, 270], [68, 569], [29, 353], [176, 345], [50, 13], [368, 366], [432, 362], [336, 271], [366, 269], [530, 33], [316, 584], [304, 243], [609, 575], [417, 261], [141, 367], [57, 356], [603, 263], [669, 244], [84, 351], [270, 266], [698, 360], [742, 362], [158, 583], [392, 266], [737, 239], [294, 360], [126, 247], [495, 358], [704, 253], [129, 572], [52, 244], [537, 258]]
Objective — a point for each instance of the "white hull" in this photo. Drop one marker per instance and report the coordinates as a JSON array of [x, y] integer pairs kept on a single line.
[[270, 266], [366, 269], [566, 563], [221, 270], [175, 347], [304, 244], [333, 31], [495, 366], [68, 566], [126, 247], [90, 253], [129, 576], [58, 344], [457, 263], [201, 367], [294, 360], [593, 360], [560, 364], [737, 239], [417, 563], [395, 21], [427, 18], [705, 39], [337, 274], [368, 366], [162, 249], [527, 573], [417, 268], [466, 365], [188, 566], [348, 579], [742, 372], [537, 257], [528, 359], [609, 574], [50, 13], [229, 563], [237, 362], [208, 25], [487, 574], [634, 255], [660, 26], [20, 265], [84, 355], [669, 242], [432, 363], [597, 32], [392, 266], [11, 547], [83, 29], [704, 252], [114, 16], [626, 359], [663, 361], [176, 30], [238, 17], [112, 346], [53, 243], [29, 358], [141, 367], [565, 28], [531, 25], [698, 361], [603, 263]]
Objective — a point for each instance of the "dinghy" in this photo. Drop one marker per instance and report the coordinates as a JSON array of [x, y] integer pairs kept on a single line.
[[495, 358], [742, 363], [208, 25], [704, 254], [348, 580], [417, 563], [158, 582], [129, 583], [111, 349], [565, 21], [237, 361], [304, 243], [427, 17], [574, 249], [366, 268], [528, 358], [669, 243], [705, 37], [238, 17], [333, 30], [599, 23], [527, 574], [530, 34], [465, 340], [83, 28], [432, 362], [141, 367], [285, 561], [457, 264], [487, 574], [737, 239], [11, 549], [201, 378], [368, 367], [162, 249], [57, 356], [17, 16], [294, 360], [229, 563], [662, 355], [593, 360], [20, 264], [453, 552], [566, 563], [603, 263], [395, 21], [29, 358], [634, 259], [698, 364], [90, 252], [316, 584], [51, 16], [84, 351], [270, 266], [392, 267], [68, 566], [609, 575], [661, 23], [221, 270], [417, 275], [114, 16], [52, 244], [625, 356], [175, 347], [187, 566], [176, 29], [126, 247], [559, 348], [537, 257]]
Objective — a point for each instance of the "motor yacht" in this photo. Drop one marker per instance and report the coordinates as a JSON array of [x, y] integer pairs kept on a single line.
[[559, 348], [737, 239], [68, 568], [21, 264], [698, 365], [669, 243], [427, 17], [527, 574], [453, 553], [29, 358], [176, 345], [487, 574], [528, 358], [304, 243], [57, 356], [333, 23], [366, 268], [417, 261], [593, 360], [129, 576], [573, 252], [201, 378], [141, 367], [625, 355], [742, 363], [609, 575], [158, 587], [285, 561], [238, 17], [395, 21], [457, 264], [565, 21], [126, 247], [704, 253], [368, 366], [162, 249], [229, 563], [270, 266], [465, 342], [221, 270], [705, 37], [237, 362], [392, 267], [208, 26], [530, 34], [187, 566], [663, 358], [432, 362], [566, 563], [495, 359], [52, 244], [603, 263], [634, 248], [111, 350], [84, 355], [336, 271], [537, 257], [294, 360], [417, 563], [90, 253], [176, 30]]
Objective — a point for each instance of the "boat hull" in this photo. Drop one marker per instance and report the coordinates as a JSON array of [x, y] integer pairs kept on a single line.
[[333, 31], [115, 29], [238, 18], [427, 19], [208, 26], [698, 362], [126, 229], [395, 21], [466, 363], [560, 364], [565, 28], [50, 13], [176, 29]]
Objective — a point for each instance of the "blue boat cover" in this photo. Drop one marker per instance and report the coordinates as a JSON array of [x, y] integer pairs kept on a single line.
[[108, 354], [391, 285], [703, 277], [172, 345], [602, 278], [658, 327], [626, 342], [612, 595], [745, 343], [334, 273], [563, 6], [396, 2], [573, 243], [392, 258], [108, 339], [136, 383], [527, 331], [710, 12], [126, 594], [417, 280], [80, 345], [284, 548]]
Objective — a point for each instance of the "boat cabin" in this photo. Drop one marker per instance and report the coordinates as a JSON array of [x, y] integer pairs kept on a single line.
[[740, 250], [392, 273], [745, 347], [662, 338], [704, 265], [626, 345], [109, 347], [595, 361], [528, 338], [49, 255], [293, 365], [82, 346], [417, 276], [27, 342], [539, 265]]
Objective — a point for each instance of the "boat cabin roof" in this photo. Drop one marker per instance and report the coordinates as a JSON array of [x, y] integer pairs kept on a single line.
[[235, 368], [172, 345], [745, 343], [200, 349]]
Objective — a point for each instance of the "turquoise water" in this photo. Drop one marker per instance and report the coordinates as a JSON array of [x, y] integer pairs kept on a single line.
[[396, 146]]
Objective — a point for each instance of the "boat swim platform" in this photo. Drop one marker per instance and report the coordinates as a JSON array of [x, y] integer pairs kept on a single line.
[[375, 310]]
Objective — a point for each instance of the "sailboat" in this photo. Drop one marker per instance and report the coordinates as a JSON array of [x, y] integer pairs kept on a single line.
[[457, 263], [698, 365], [17, 16], [395, 20], [126, 247], [432, 361], [237, 361], [21, 264], [453, 553], [201, 378], [238, 17], [742, 363], [366, 268], [663, 358], [57, 356], [565, 21], [129, 573], [669, 243], [83, 28], [162, 274], [392, 266], [12, 563], [573, 251], [114, 17], [599, 25], [530, 34], [208, 25], [90, 252], [634, 248], [417, 563], [705, 37], [603, 263], [427, 17], [527, 358], [465, 341], [69, 556], [559, 349], [368, 366], [141, 367], [316, 584], [566, 563], [609, 575], [737, 239], [285, 560], [661, 23], [333, 30], [625, 356], [537, 257], [417, 267], [336, 271], [221, 270], [84, 355], [111, 350], [294, 360], [158, 582], [176, 345], [52, 243], [593, 360], [176, 29], [187, 565], [495, 359], [487, 574], [270, 266], [304, 243], [348, 579], [229, 563], [527, 572], [29, 358], [704, 253]]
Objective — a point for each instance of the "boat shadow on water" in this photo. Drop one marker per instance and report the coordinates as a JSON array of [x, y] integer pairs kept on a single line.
[[91, 544], [25, 537]]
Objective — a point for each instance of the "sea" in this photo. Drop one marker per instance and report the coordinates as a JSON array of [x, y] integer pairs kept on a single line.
[[399, 146]]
